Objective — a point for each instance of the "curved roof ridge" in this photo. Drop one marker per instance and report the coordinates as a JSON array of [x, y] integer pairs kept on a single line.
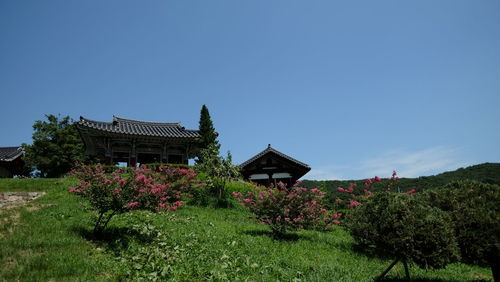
[[120, 119], [8, 154], [91, 120], [270, 149], [141, 128]]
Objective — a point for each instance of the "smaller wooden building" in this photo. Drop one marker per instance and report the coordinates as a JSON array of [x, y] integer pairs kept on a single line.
[[271, 166], [11, 162]]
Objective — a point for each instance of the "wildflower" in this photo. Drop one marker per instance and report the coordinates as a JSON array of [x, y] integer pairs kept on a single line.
[[132, 205], [340, 189], [336, 222], [367, 192], [338, 200], [141, 178], [74, 190], [412, 191], [376, 179], [368, 182], [353, 204]]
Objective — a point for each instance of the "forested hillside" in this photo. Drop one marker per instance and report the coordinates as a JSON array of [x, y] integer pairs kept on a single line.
[[486, 173]]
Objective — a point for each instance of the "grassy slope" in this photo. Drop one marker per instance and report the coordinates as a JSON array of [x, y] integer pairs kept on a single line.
[[48, 240], [39, 241]]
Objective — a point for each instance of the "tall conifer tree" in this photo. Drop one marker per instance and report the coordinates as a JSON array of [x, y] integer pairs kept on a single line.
[[207, 132]]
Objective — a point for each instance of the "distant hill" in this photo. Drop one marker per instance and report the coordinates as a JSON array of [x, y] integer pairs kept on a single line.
[[486, 173]]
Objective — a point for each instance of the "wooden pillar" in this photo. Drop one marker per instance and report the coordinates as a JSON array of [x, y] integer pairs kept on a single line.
[[163, 157], [108, 155], [133, 155], [185, 157]]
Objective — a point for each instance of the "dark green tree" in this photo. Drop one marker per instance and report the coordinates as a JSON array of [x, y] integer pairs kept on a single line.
[[208, 134], [475, 211], [406, 228], [56, 147]]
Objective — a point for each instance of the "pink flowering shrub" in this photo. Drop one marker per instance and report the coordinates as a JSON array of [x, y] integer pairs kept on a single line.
[[139, 188], [286, 209], [353, 197]]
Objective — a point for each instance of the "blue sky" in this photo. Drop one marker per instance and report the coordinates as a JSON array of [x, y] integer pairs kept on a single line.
[[353, 88]]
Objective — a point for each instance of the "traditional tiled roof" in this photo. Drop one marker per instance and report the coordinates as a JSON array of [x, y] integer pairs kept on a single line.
[[8, 154], [272, 150], [137, 127]]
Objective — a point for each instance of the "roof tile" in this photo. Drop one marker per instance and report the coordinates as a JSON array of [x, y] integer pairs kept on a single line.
[[137, 127], [8, 154]]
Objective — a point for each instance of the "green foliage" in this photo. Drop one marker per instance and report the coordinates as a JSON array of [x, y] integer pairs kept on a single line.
[[56, 147], [405, 227], [208, 134], [284, 208], [475, 210], [141, 188], [48, 240], [486, 173], [219, 171]]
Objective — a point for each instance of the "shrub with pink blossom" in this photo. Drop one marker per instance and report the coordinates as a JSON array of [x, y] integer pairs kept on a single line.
[[287, 208], [112, 193]]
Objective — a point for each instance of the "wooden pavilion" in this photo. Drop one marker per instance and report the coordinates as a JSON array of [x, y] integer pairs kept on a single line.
[[11, 161], [271, 166], [134, 142]]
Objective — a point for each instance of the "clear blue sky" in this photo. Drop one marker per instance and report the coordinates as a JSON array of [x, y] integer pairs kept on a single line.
[[353, 88]]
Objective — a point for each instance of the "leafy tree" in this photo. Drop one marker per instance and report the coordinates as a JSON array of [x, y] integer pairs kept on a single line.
[[405, 227], [475, 211], [56, 147], [219, 170], [208, 135]]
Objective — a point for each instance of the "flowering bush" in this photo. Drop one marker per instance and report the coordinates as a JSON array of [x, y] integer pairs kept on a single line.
[[139, 188], [285, 209], [353, 197]]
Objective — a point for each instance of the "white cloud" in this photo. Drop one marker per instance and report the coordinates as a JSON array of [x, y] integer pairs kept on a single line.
[[424, 162], [325, 173], [413, 164]]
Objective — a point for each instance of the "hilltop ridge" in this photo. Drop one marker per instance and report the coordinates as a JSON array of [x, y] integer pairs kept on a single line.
[[486, 173]]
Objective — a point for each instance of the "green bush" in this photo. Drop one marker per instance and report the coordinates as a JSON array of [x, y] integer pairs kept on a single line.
[[475, 211], [208, 195], [403, 226]]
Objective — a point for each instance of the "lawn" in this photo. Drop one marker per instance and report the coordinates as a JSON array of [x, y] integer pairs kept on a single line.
[[50, 239]]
